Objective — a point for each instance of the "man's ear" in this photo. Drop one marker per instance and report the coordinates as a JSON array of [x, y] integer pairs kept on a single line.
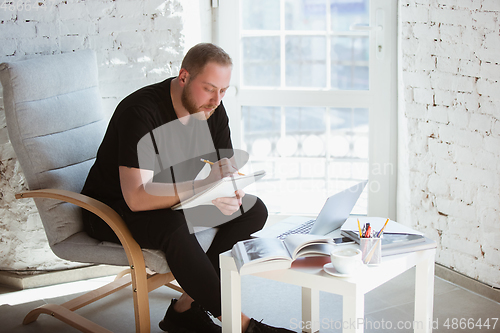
[[183, 77]]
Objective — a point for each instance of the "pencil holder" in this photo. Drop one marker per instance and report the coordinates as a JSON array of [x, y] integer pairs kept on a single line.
[[372, 250]]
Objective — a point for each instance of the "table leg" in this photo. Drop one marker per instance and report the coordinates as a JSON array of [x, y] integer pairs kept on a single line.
[[424, 295], [353, 313], [310, 310], [231, 300]]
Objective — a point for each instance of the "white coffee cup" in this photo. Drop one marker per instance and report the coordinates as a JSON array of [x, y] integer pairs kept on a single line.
[[346, 260]]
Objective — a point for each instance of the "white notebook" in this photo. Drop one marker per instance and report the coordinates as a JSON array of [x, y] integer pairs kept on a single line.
[[220, 189]]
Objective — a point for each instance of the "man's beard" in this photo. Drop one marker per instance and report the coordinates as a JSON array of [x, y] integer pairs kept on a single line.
[[190, 105]]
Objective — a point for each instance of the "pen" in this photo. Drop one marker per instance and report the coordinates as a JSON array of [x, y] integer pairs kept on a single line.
[[382, 230], [368, 231], [212, 163]]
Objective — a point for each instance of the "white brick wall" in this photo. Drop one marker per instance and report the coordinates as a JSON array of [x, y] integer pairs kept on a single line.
[[137, 43], [450, 104], [450, 107]]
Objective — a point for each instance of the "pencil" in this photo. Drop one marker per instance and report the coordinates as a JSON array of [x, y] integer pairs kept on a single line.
[[360, 232], [381, 230], [212, 163]]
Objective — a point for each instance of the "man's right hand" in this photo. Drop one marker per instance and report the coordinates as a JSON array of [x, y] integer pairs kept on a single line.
[[221, 169]]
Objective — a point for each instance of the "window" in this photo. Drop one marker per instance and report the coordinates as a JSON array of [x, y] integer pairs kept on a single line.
[[315, 98]]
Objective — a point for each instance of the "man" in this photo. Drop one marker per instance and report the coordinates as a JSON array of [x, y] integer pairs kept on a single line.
[[174, 118]]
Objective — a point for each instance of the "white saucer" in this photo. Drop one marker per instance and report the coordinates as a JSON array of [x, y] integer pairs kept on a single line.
[[332, 271]]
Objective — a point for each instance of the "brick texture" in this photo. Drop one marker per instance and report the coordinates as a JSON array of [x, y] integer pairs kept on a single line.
[[449, 60], [137, 43]]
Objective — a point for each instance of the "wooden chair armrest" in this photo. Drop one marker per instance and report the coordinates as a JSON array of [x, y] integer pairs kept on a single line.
[[132, 249], [106, 213]]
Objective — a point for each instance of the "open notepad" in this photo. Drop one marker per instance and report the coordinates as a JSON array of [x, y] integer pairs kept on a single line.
[[264, 254], [220, 189]]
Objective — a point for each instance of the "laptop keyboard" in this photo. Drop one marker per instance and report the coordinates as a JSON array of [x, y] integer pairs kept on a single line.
[[303, 228]]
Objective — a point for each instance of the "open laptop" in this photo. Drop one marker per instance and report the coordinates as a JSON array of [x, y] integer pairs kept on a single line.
[[333, 214]]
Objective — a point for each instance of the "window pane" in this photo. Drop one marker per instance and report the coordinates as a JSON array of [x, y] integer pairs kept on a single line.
[[305, 120], [360, 121], [306, 61], [261, 14], [291, 144], [350, 60], [349, 120], [261, 120], [349, 133], [261, 129], [345, 13], [261, 61], [305, 14], [353, 49], [306, 126]]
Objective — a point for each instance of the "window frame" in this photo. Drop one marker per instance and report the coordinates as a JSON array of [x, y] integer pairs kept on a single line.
[[380, 99]]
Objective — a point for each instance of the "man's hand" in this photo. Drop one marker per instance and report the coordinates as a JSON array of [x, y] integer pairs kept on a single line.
[[221, 169], [228, 206]]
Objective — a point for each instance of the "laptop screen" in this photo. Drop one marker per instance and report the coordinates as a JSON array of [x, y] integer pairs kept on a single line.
[[337, 209]]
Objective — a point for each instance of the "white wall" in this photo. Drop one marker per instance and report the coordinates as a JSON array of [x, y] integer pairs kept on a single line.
[[137, 43], [449, 130]]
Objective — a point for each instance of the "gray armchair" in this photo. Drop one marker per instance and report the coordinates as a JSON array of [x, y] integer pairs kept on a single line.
[[55, 124]]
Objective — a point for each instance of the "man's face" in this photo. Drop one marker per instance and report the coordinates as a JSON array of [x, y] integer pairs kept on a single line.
[[204, 93]]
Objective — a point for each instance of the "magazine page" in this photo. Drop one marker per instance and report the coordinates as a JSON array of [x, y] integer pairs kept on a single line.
[[315, 250], [260, 254], [307, 244], [260, 249]]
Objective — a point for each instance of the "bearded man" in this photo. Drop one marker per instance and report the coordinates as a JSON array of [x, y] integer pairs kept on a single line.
[[171, 125]]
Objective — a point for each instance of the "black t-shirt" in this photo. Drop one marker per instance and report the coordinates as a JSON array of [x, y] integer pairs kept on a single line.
[[148, 115]]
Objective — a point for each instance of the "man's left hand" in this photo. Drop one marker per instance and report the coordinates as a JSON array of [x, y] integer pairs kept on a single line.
[[228, 206]]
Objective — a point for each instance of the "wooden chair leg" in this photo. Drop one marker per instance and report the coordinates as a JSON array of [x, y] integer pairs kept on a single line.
[[141, 299], [64, 312], [122, 274], [144, 283], [173, 285], [97, 294], [67, 316], [157, 280]]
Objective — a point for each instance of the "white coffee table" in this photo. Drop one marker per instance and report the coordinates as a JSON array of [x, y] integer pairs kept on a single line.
[[313, 279]]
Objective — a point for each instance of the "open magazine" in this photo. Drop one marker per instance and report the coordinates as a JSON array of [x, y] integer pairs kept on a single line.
[[222, 188], [264, 254]]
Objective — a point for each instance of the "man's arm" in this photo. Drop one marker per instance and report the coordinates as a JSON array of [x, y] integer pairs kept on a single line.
[[142, 194], [133, 183]]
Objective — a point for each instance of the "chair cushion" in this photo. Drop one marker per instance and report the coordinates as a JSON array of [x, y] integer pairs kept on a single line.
[[56, 124], [82, 248]]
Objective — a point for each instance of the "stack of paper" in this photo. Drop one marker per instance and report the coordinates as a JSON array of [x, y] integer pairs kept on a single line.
[[396, 238]]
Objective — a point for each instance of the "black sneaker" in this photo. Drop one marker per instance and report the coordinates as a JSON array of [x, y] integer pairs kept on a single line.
[[259, 327], [194, 320]]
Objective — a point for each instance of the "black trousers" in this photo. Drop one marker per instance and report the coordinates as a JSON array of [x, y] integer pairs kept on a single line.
[[169, 230]]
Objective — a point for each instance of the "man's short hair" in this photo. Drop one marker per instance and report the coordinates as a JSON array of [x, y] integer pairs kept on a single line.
[[201, 54]]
